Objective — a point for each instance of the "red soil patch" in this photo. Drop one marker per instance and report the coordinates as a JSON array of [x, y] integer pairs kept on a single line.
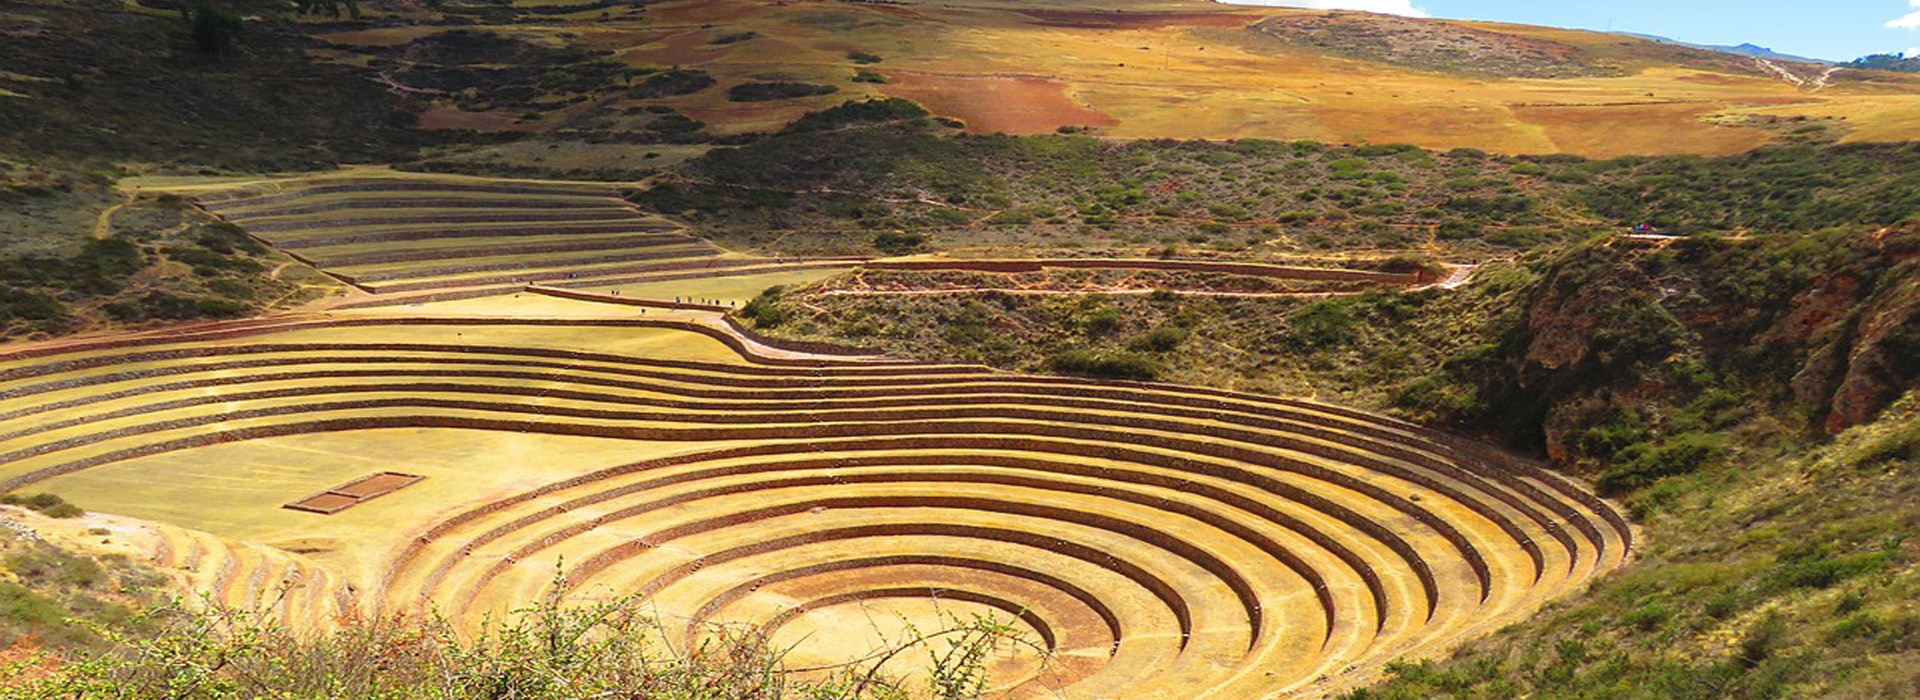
[[376, 485], [353, 493], [1093, 19], [325, 504], [991, 104]]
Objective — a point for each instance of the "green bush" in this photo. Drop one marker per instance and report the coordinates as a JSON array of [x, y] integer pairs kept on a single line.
[[162, 306], [46, 504], [1162, 339], [215, 29], [770, 92], [38, 615], [765, 310], [1641, 464], [29, 305], [49, 566], [1349, 168], [543, 652], [898, 242], [678, 124], [1100, 364], [857, 112], [1902, 445], [672, 83], [1322, 324], [1104, 320]]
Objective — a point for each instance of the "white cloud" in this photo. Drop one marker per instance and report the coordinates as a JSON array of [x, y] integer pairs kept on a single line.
[[1910, 21], [1387, 7]]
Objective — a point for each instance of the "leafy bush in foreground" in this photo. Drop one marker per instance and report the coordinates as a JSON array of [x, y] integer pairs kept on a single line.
[[605, 650]]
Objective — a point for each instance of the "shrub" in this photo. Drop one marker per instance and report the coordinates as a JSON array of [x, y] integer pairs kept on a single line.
[[215, 29], [162, 306], [46, 504], [20, 605], [1760, 642], [1648, 617], [1348, 168], [855, 112], [1458, 229], [1162, 339], [867, 76], [543, 652], [1641, 464], [863, 58], [226, 239], [1104, 321], [672, 83], [1105, 365], [42, 565], [1815, 567], [29, 305], [675, 124], [1899, 446], [769, 92], [898, 242], [1322, 324], [765, 310]]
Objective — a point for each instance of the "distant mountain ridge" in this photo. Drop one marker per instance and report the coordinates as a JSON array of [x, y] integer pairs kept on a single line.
[[1749, 50]]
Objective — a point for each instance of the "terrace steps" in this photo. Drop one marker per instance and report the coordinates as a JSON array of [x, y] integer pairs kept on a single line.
[[415, 233], [1158, 538]]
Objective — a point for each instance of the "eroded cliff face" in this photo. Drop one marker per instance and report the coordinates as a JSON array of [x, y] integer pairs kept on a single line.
[[1823, 328]]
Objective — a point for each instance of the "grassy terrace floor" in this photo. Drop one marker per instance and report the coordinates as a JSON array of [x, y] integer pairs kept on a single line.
[[1152, 539]]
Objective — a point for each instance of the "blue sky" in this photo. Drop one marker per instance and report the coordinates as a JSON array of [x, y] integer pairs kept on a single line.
[[1829, 29]]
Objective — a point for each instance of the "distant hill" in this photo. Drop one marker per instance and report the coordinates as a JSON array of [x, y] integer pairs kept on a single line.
[[1748, 50], [1888, 61], [718, 71], [666, 78]]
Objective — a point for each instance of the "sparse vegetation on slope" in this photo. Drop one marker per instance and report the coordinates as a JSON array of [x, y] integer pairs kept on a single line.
[[808, 190], [159, 260], [102, 82], [1780, 574]]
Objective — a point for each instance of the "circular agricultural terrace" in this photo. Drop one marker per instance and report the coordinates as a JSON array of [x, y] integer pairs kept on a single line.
[[1145, 540]]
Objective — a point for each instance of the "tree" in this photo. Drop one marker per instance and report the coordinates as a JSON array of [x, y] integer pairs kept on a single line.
[[215, 29]]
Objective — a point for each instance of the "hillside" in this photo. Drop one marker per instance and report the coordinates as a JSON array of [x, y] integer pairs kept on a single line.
[[1162, 69], [901, 350]]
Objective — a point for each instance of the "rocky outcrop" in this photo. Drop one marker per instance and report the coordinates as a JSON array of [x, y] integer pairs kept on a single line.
[[1822, 326]]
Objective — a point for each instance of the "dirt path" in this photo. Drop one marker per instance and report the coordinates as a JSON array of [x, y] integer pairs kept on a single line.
[[103, 224], [1457, 277]]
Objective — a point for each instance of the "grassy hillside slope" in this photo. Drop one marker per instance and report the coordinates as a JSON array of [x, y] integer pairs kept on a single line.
[[699, 71]]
